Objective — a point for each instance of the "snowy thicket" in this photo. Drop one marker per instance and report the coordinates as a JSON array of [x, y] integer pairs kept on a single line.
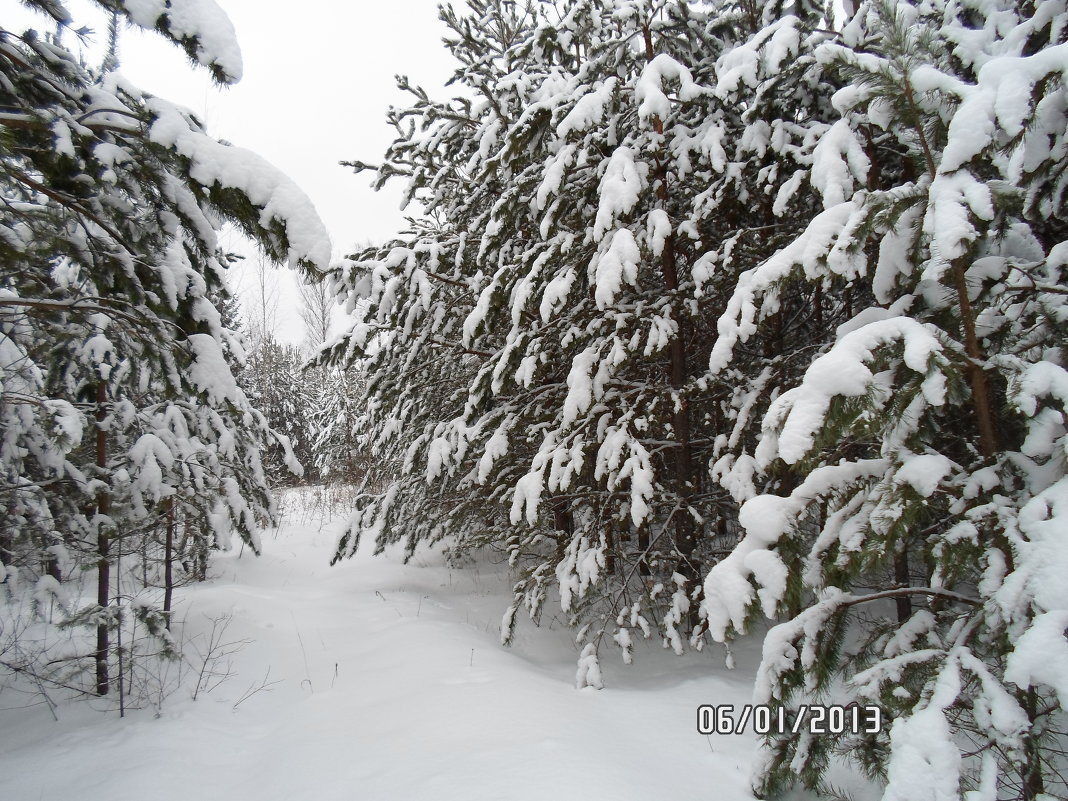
[[122, 428], [312, 409], [924, 548], [537, 344], [735, 308]]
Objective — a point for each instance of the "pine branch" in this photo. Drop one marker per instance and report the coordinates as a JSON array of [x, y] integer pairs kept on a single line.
[[92, 305], [73, 205], [902, 592]]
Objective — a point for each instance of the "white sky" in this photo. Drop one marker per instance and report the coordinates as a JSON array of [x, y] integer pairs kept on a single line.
[[318, 78]]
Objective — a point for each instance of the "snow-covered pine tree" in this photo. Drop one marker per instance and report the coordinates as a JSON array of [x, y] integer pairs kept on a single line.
[[276, 384], [338, 453], [337, 396], [536, 344], [119, 406], [925, 535]]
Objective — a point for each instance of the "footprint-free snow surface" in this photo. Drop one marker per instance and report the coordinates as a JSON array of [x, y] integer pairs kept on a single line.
[[383, 682]]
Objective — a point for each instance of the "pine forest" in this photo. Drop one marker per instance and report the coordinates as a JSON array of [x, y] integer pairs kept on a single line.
[[717, 371]]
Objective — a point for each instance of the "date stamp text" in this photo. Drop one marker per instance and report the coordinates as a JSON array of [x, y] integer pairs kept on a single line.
[[813, 719]]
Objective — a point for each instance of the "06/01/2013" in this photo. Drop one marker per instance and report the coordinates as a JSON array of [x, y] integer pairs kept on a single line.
[[812, 718]]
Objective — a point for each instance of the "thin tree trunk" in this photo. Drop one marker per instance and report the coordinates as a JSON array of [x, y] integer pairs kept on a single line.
[[52, 567], [610, 548], [817, 303], [981, 399], [1032, 782], [168, 563], [103, 572], [643, 549], [121, 683], [901, 576], [685, 534]]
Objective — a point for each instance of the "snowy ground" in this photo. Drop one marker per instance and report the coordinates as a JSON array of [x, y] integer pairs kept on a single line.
[[391, 685]]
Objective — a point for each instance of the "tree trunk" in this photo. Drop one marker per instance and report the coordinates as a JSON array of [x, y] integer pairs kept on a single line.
[[1031, 779], [643, 551], [52, 567], [817, 303], [609, 548], [168, 562], [901, 576], [981, 400], [685, 533], [103, 572]]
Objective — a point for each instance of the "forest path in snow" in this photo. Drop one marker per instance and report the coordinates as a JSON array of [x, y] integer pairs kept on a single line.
[[391, 685]]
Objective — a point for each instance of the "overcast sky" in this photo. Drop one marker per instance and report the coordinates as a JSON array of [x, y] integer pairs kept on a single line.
[[318, 78]]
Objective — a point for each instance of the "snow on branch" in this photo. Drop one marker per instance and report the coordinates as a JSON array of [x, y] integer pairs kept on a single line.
[[279, 198], [201, 27], [649, 91], [766, 518], [764, 52], [843, 371], [819, 241]]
